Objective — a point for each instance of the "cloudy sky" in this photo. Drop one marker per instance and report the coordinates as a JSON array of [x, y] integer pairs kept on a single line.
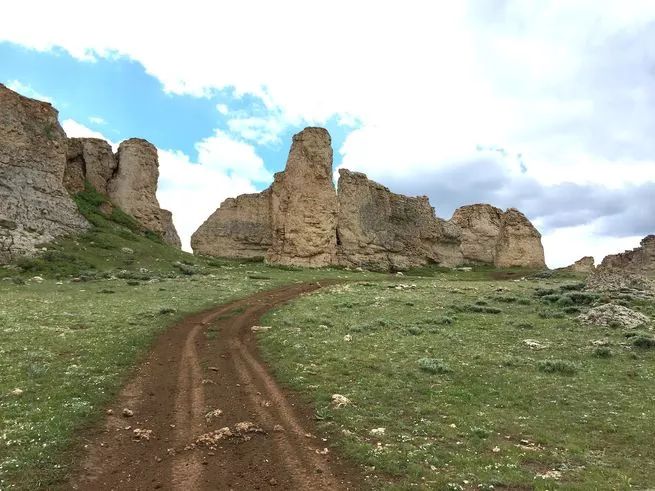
[[546, 106]]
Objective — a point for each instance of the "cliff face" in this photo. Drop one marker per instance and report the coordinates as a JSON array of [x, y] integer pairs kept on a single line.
[[639, 261], [379, 229], [304, 204], [40, 168], [35, 207], [133, 188], [502, 238], [240, 228], [301, 221]]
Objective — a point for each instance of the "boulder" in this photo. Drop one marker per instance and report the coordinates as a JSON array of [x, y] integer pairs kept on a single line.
[[378, 229], [35, 207], [240, 228], [89, 159], [134, 185], [304, 204], [640, 260]]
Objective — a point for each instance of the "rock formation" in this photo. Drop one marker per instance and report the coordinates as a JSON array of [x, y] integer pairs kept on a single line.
[[240, 228], [34, 205], [134, 185], [40, 168], [585, 264], [378, 229], [90, 159], [640, 260], [519, 242], [480, 226], [304, 204], [504, 239], [300, 220]]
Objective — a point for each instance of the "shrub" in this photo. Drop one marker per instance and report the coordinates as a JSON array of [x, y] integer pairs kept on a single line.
[[523, 301], [541, 292], [563, 367], [582, 298], [643, 341], [481, 309], [414, 330], [524, 325], [602, 352], [565, 301], [551, 298], [434, 366], [572, 287], [506, 299]]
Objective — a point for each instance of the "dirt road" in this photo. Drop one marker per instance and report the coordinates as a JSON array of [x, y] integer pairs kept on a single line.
[[262, 437]]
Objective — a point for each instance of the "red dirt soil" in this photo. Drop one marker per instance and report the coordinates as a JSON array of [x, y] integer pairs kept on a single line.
[[187, 375]]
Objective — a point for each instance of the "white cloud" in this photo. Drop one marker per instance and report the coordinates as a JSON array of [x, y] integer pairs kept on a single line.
[[232, 157], [27, 91], [97, 120], [74, 129], [569, 244], [261, 131], [222, 108], [193, 191], [565, 84]]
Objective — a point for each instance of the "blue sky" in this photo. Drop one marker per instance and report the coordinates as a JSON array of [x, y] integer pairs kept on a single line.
[[541, 106], [132, 103]]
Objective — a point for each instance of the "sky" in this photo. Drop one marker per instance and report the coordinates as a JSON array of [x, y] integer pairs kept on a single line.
[[545, 106]]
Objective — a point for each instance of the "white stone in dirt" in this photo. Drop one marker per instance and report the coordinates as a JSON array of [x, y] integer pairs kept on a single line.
[[213, 414], [377, 431], [613, 315], [260, 328]]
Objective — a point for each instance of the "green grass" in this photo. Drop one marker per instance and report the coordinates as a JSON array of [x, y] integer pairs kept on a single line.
[[70, 340], [467, 404]]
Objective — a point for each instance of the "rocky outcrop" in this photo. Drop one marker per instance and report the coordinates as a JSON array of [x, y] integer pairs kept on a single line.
[[240, 228], [640, 260], [35, 207], [304, 204], [128, 178], [134, 185], [502, 238], [378, 229], [92, 160], [480, 225], [300, 220], [585, 264], [519, 242]]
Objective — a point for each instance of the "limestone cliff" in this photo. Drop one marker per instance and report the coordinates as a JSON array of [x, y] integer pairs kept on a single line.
[[304, 204], [240, 228], [134, 185], [301, 221], [378, 229], [640, 260], [35, 207], [90, 159], [504, 239]]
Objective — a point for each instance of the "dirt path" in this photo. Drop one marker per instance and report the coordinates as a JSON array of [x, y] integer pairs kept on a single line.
[[206, 362]]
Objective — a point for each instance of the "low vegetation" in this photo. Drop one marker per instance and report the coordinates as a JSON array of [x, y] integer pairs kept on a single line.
[[478, 384], [76, 319]]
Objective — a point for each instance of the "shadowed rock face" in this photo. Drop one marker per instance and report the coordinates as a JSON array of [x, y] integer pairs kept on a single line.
[[301, 221], [90, 159], [640, 260], [240, 228], [304, 204], [379, 229], [34, 205]]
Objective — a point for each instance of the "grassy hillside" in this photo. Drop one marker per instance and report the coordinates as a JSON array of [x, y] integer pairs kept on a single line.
[[76, 319], [476, 383]]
